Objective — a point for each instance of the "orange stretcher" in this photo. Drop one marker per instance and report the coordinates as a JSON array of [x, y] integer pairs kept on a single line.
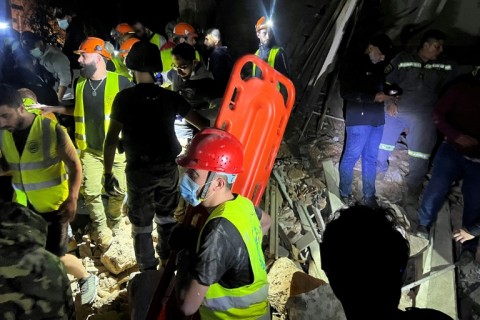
[[256, 112]]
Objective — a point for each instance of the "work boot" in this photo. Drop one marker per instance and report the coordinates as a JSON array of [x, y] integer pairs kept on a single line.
[[349, 201], [370, 202], [116, 225], [103, 238]]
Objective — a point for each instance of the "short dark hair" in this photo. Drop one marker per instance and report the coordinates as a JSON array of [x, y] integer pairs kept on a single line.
[[433, 34], [185, 51], [60, 12], [9, 96]]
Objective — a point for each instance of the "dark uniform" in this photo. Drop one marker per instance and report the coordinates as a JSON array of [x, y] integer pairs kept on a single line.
[[33, 281], [421, 84]]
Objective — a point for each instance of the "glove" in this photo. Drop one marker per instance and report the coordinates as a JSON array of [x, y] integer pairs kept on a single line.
[[183, 237], [111, 185]]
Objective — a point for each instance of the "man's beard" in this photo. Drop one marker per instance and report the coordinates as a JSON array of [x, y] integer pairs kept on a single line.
[[88, 70]]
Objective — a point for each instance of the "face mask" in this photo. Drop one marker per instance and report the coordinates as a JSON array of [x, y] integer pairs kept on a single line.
[[189, 189], [37, 53], [63, 24]]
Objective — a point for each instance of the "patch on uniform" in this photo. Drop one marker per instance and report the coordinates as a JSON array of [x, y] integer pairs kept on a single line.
[[32, 147], [388, 69]]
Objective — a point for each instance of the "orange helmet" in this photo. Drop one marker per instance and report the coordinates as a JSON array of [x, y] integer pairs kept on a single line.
[[183, 29], [214, 150], [93, 45], [123, 28], [126, 46], [262, 23]]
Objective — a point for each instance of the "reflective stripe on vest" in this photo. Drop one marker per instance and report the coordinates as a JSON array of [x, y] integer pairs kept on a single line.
[[437, 66], [271, 58], [38, 174], [386, 147], [111, 90], [419, 155], [249, 301]]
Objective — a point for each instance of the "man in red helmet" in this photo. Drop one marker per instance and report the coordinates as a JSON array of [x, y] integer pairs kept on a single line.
[[226, 278]]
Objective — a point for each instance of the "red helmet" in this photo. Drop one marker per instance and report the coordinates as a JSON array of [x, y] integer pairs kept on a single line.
[[183, 29], [214, 150], [126, 46], [93, 45]]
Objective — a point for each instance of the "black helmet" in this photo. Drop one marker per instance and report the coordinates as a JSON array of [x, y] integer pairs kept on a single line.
[[145, 57]]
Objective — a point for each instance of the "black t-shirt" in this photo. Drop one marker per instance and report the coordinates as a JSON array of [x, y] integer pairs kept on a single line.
[[95, 111], [147, 113], [223, 257]]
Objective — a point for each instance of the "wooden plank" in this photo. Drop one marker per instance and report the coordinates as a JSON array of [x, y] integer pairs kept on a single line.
[[332, 180], [440, 292]]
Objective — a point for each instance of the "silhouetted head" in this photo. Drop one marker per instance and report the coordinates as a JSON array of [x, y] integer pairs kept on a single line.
[[364, 255]]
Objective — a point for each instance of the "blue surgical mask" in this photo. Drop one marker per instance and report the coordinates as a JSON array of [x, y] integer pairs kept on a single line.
[[63, 23], [189, 190], [37, 53]]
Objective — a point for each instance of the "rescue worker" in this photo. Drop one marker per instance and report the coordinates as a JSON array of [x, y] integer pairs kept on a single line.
[[121, 33], [34, 274], [226, 278], [95, 92], [166, 53], [268, 50], [122, 54], [145, 33], [38, 153], [152, 174], [421, 75], [185, 33]]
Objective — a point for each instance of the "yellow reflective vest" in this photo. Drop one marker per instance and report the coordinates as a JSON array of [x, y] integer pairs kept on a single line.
[[38, 174], [271, 58], [249, 301], [111, 90]]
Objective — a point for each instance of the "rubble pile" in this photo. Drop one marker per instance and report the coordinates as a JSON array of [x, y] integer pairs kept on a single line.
[[300, 203]]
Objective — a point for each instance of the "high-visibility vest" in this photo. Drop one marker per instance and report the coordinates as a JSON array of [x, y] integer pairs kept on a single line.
[[249, 301], [271, 58], [121, 68], [111, 90], [167, 60], [39, 174]]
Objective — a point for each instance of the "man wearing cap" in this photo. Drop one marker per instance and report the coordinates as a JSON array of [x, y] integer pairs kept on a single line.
[[220, 62], [268, 50], [95, 91], [222, 274], [151, 148], [361, 87]]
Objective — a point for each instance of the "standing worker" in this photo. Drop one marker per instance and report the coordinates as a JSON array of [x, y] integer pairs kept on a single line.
[[46, 175], [226, 278], [152, 174], [421, 75], [361, 87], [268, 50], [94, 94], [456, 115]]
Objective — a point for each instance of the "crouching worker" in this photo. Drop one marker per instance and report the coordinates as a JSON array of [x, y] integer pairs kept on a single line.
[[34, 282], [225, 278]]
